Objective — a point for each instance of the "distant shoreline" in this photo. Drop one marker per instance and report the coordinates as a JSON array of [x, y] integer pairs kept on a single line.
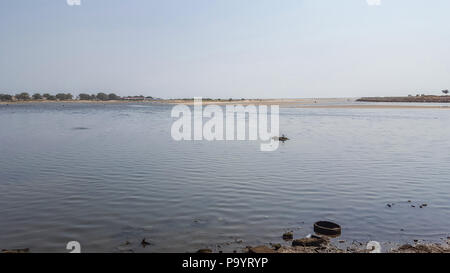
[[337, 103], [417, 99], [181, 101]]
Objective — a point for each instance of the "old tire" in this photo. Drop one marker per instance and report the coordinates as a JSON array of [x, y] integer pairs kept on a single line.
[[327, 228]]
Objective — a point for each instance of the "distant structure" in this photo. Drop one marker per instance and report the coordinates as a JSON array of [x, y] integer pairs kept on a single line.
[[445, 92]]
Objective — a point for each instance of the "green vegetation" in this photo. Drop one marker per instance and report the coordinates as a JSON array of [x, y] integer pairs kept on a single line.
[[102, 96], [62, 96], [22, 96], [37, 96], [113, 96], [68, 97], [6, 97], [84, 96], [47, 96]]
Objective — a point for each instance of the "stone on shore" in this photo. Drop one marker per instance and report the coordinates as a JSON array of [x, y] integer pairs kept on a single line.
[[276, 246], [261, 250], [288, 236], [204, 251], [308, 242]]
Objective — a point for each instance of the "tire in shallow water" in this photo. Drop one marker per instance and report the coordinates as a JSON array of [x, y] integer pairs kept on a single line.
[[327, 228]]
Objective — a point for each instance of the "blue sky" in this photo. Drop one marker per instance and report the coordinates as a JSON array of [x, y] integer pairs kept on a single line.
[[226, 48]]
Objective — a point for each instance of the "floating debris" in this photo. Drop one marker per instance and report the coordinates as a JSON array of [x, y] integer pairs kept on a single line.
[[282, 138], [144, 243]]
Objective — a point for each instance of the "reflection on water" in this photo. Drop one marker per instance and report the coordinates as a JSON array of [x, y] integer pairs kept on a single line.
[[107, 174]]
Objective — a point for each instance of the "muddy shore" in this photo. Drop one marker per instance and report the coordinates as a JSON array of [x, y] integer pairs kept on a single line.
[[324, 246], [306, 246], [287, 242]]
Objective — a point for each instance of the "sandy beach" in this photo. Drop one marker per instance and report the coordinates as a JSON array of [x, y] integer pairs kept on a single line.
[[329, 103]]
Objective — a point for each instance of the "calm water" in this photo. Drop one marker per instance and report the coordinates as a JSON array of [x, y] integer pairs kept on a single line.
[[106, 174]]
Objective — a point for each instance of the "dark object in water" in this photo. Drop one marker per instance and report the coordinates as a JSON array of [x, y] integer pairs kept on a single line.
[[327, 228], [126, 243], [144, 243], [80, 128], [282, 138]]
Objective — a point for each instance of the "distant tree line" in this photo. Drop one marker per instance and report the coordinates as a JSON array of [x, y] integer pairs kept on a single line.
[[60, 96], [5, 97], [99, 96]]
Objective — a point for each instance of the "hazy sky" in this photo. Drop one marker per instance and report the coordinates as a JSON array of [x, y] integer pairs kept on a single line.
[[226, 48]]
